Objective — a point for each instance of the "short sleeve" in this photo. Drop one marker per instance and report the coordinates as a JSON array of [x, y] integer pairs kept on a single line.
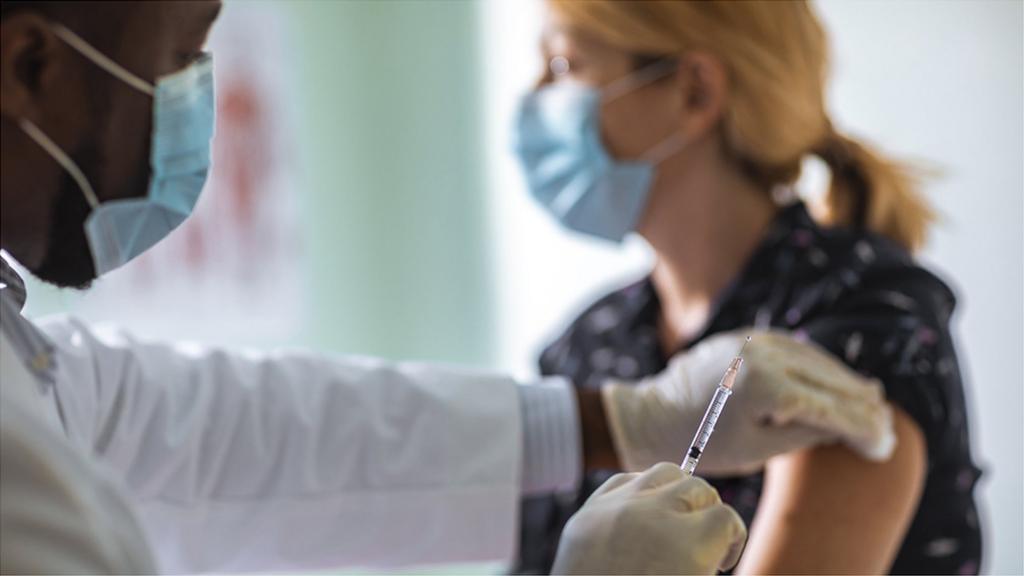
[[895, 328]]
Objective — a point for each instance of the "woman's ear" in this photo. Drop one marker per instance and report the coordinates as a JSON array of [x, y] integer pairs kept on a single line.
[[703, 84]]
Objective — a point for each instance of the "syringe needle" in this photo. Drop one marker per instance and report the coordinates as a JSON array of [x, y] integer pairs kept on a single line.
[[744, 347]]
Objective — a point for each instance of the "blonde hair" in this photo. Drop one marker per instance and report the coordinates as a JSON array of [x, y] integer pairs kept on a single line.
[[777, 60]]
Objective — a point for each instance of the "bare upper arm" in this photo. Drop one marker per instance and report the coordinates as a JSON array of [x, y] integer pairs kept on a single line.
[[827, 510]]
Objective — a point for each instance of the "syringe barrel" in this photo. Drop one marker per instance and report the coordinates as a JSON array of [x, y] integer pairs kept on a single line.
[[707, 426]]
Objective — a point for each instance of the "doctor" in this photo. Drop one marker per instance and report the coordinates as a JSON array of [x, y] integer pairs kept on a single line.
[[126, 456]]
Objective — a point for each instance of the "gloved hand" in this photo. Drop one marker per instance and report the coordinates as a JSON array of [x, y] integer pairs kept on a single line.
[[788, 395], [658, 522]]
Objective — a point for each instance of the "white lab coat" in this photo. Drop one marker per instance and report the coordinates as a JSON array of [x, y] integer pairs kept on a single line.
[[235, 461]]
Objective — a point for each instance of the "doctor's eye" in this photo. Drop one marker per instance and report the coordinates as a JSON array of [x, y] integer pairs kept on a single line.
[[186, 58]]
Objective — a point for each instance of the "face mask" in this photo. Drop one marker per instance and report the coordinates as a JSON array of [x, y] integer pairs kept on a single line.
[[567, 168], [183, 120]]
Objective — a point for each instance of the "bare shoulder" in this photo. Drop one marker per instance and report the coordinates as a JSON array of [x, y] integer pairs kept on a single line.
[[827, 510]]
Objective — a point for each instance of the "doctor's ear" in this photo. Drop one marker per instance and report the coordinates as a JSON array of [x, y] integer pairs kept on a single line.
[[704, 85], [30, 62]]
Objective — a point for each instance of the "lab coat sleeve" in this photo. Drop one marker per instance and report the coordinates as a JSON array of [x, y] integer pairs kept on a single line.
[[293, 461]]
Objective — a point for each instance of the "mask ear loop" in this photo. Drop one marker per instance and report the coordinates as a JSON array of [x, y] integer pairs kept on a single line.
[[642, 77], [85, 49], [100, 59], [646, 75], [63, 159], [665, 149]]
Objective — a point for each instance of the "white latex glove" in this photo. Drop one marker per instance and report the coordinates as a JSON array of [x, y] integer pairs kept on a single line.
[[658, 522], [788, 396]]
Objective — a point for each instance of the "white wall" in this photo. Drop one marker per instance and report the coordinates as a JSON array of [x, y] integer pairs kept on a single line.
[[940, 81]]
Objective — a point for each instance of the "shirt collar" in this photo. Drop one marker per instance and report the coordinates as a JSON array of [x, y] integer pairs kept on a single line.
[[756, 278], [11, 284], [33, 348]]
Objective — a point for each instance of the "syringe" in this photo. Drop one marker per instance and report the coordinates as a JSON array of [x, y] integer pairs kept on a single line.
[[707, 424]]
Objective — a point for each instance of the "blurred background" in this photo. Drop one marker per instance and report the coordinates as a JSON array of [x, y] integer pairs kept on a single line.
[[364, 199]]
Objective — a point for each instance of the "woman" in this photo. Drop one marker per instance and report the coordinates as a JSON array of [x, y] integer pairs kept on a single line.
[[687, 123]]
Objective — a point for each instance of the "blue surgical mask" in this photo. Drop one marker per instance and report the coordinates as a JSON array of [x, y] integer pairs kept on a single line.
[[183, 121], [567, 168]]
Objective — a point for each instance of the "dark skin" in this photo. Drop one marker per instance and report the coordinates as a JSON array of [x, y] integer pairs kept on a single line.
[[104, 125], [598, 450], [100, 121]]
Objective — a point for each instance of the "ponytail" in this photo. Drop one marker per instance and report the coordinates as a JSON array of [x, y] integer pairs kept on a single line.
[[873, 192]]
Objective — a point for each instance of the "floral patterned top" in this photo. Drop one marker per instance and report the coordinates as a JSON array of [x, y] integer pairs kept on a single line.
[[856, 294]]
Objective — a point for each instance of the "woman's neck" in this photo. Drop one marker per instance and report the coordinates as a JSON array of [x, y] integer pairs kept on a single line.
[[703, 224]]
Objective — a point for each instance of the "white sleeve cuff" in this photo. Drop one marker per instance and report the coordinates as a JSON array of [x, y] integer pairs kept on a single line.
[[552, 446]]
